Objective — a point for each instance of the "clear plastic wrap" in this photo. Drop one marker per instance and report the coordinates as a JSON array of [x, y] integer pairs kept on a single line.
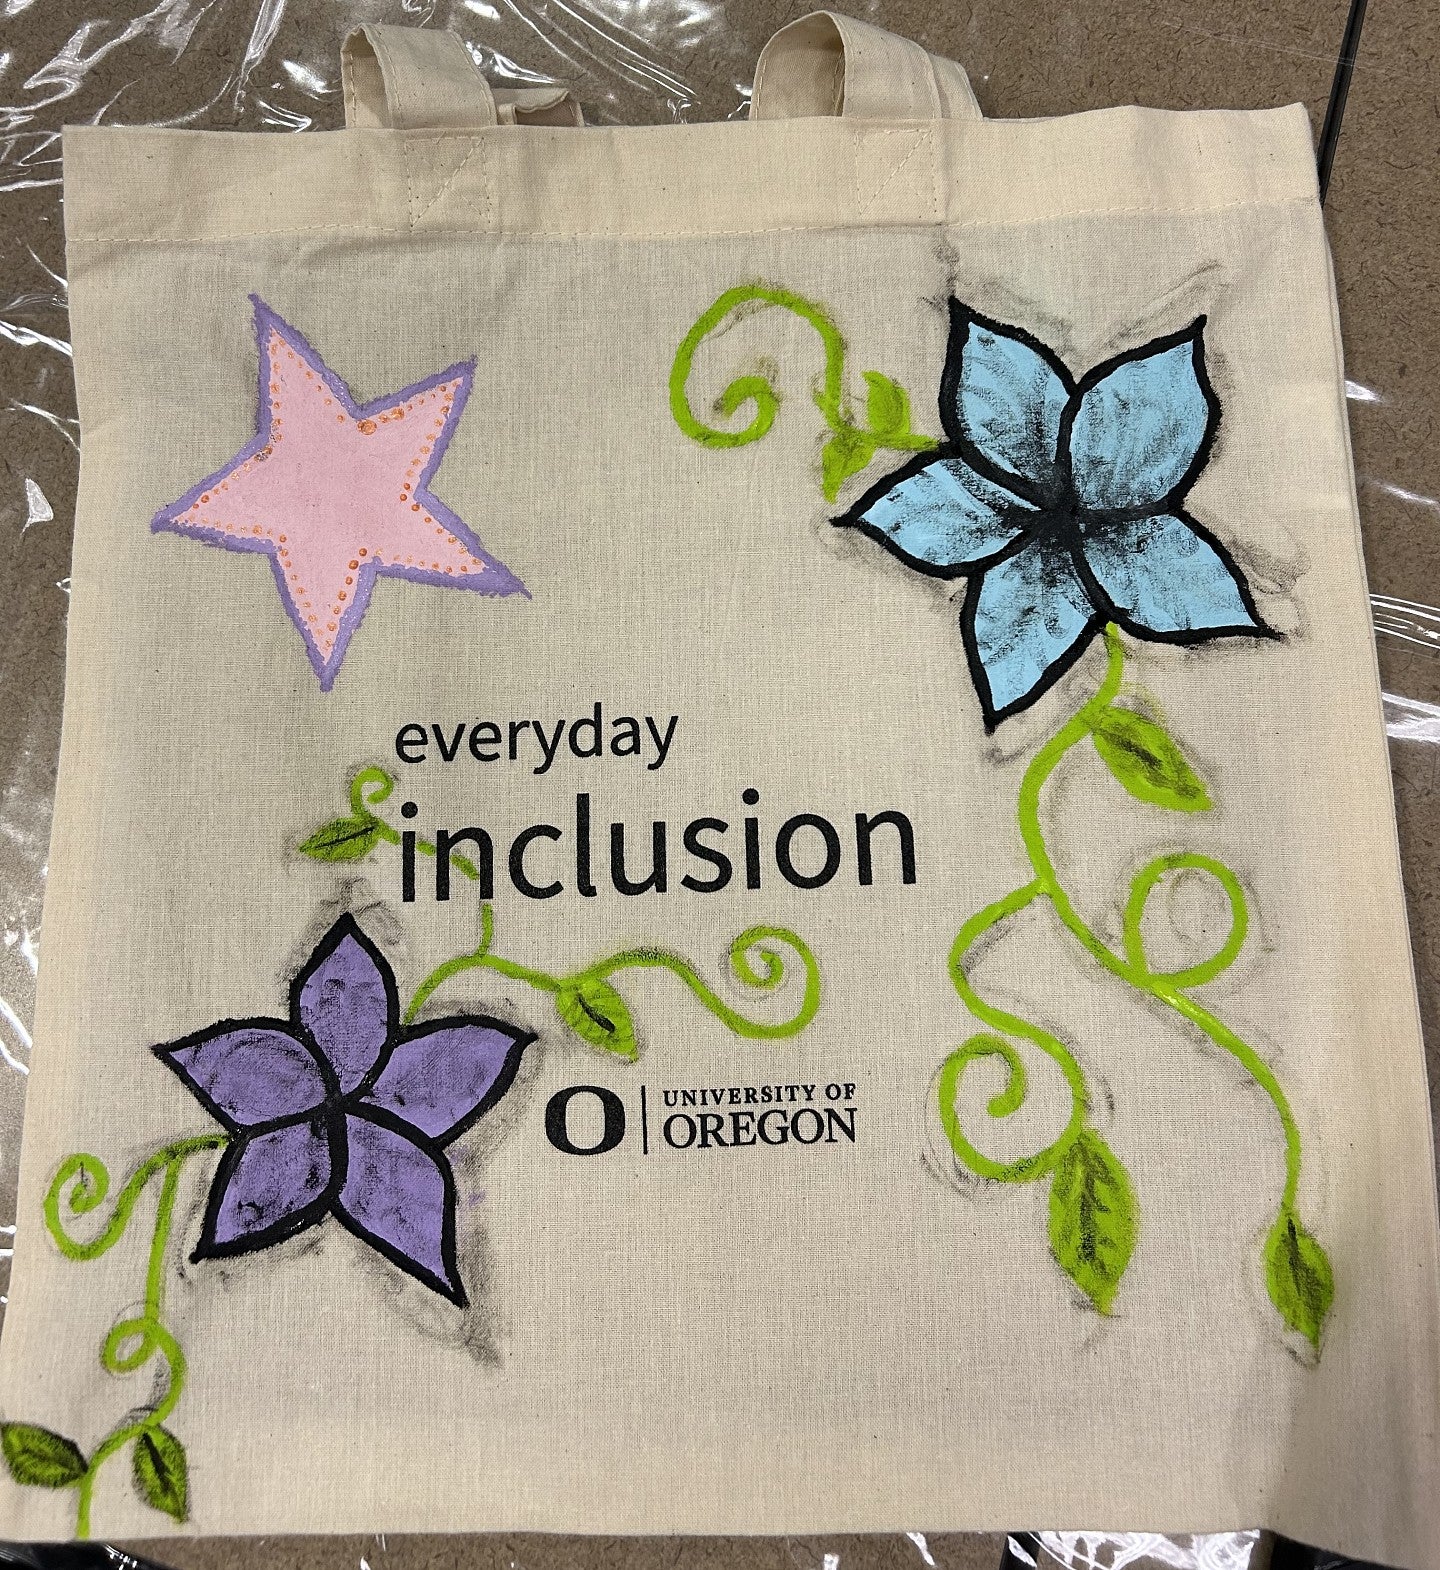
[[265, 65]]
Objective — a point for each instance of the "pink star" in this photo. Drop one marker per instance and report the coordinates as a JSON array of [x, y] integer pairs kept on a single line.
[[336, 493]]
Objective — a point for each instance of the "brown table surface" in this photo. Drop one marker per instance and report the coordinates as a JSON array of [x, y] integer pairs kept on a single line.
[[257, 65]]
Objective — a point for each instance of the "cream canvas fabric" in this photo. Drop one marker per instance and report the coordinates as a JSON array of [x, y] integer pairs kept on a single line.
[[841, 1272]]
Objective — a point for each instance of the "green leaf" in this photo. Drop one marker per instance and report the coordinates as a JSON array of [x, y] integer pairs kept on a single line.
[[1147, 762], [1092, 1218], [846, 453], [39, 1457], [596, 1012], [1298, 1277], [343, 839], [887, 406], [161, 1472]]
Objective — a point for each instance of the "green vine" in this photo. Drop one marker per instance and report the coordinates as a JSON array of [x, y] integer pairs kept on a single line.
[[354, 836], [40, 1457], [590, 1007], [849, 447], [1093, 1214], [587, 1004]]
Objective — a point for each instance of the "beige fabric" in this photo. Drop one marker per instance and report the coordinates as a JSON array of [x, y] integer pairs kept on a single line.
[[214, 187], [828, 64], [402, 78], [408, 78], [841, 1338], [537, 106]]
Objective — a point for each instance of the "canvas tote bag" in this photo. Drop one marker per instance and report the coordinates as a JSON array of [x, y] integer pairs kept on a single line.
[[723, 859]]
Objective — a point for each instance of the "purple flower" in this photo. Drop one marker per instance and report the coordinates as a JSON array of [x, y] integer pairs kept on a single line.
[[340, 1111]]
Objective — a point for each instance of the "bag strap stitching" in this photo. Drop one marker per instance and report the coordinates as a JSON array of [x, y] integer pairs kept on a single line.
[[932, 84], [923, 137], [385, 60], [405, 161], [937, 185], [450, 179], [837, 82]]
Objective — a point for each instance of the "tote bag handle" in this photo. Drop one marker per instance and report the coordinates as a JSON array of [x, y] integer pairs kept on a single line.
[[421, 78], [828, 64]]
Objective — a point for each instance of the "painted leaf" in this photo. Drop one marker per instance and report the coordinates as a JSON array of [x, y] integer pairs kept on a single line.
[[161, 1473], [1147, 762], [596, 1012], [887, 406], [1092, 1218], [343, 839], [846, 453], [39, 1457], [1298, 1277]]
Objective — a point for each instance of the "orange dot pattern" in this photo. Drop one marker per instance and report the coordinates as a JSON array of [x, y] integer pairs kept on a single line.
[[399, 533]]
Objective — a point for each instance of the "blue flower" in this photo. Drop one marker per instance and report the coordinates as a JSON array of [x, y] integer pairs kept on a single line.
[[1061, 501]]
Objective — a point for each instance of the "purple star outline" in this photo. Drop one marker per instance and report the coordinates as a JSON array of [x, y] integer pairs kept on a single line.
[[497, 579]]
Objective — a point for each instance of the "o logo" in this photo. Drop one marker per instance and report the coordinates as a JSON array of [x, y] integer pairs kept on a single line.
[[557, 1117]]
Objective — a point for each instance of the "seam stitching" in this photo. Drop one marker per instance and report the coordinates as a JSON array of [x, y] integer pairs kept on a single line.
[[818, 227], [409, 183], [938, 204]]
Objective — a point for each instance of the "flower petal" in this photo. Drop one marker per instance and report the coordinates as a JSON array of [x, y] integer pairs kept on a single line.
[[1142, 421], [248, 1072], [1004, 395], [941, 516], [401, 1200], [1025, 624], [441, 1077], [345, 997], [1163, 575], [268, 1186]]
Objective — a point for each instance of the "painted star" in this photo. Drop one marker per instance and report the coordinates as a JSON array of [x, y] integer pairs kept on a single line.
[[337, 493]]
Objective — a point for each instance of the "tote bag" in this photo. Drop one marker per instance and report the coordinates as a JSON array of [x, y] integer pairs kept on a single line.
[[723, 859]]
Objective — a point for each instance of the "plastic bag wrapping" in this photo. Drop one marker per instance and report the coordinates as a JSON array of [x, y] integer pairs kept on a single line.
[[904, 1551], [265, 65]]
